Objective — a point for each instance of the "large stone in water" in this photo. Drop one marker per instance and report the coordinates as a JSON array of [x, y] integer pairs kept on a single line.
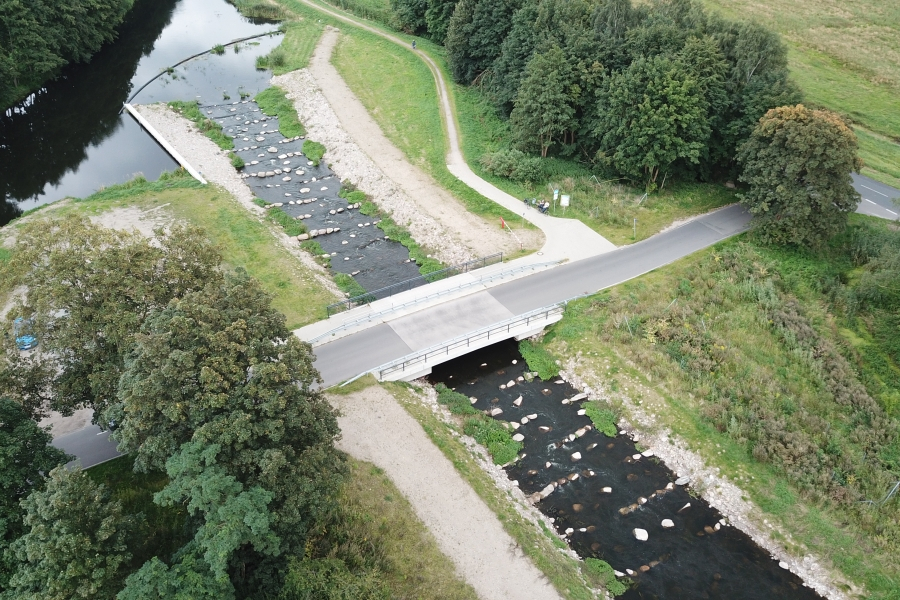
[[272, 150], [496, 411], [517, 401], [576, 456], [577, 397], [682, 481], [518, 437], [640, 535], [667, 523], [285, 178], [303, 236]]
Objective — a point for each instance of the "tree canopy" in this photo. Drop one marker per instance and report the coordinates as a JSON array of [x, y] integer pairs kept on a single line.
[[797, 163], [38, 37], [26, 456], [75, 545], [88, 291]]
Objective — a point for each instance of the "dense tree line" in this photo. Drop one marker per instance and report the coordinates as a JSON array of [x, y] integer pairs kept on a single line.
[[203, 379], [38, 37], [647, 90]]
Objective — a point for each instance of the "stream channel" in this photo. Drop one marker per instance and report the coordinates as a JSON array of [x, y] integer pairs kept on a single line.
[[701, 556]]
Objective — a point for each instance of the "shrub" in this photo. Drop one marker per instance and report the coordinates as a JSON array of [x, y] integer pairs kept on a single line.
[[539, 360], [348, 285], [314, 151], [600, 572], [237, 162], [513, 164], [457, 403], [493, 436], [292, 226], [218, 49], [602, 418]]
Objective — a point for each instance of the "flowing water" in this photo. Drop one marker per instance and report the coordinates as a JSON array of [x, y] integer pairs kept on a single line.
[[69, 138], [602, 497]]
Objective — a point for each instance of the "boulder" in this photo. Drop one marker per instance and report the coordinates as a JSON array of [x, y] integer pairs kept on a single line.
[[518, 437], [606, 490], [524, 420], [532, 416], [303, 236], [548, 489], [581, 431], [682, 481], [285, 178], [332, 212], [496, 412], [544, 428], [576, 456], [514, 424], [640, 535], [277, 171], [329, 230], [581, 412], [647, 453], [271, 149], [517, 401], [667, 523], [270, 174], [282, 156], [578, 397], [635, 457]]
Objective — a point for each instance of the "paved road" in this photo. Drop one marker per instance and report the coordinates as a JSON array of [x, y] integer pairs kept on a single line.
[[89, 445], [348, 356], [878, 199]]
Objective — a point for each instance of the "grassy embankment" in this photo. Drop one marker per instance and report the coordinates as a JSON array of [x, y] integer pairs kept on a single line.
[[244, 240], [846, 57], [376, 527], [769, 366]]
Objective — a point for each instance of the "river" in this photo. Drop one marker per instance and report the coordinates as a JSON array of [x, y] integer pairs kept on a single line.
[[69, 138]]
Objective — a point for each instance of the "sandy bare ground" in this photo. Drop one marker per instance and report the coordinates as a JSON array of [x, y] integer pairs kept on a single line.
[[377, 429], [359, 152]]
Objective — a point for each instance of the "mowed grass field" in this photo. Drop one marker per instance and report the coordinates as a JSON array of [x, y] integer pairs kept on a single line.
[[846, 57]]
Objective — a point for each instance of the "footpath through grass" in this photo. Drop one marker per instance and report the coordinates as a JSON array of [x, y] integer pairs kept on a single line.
[[772, 367], [244, 240]]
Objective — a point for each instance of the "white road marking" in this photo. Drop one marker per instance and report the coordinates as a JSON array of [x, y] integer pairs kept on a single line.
[[880, 206], [871, 190]]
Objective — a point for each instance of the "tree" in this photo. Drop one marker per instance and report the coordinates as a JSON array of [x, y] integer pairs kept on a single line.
[[437, 18], [797, 164], [650, 116], [410, 15], [25, 457], [475, 35], [544, 109], [219, 368], [76, 541], [88, 291]]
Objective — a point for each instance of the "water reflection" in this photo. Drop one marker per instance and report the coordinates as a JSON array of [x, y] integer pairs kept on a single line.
[[69, 138]]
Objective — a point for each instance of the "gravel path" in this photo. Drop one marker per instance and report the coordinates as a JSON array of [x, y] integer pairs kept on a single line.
[[359, 152], [377, 429]]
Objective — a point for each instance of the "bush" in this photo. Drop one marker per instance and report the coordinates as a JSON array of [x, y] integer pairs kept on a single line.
[[513, 164], [218, 49], [602, 418], [456, 402], [601, 573], [493, 436], [539, 360], [314, 151], [237, 162]]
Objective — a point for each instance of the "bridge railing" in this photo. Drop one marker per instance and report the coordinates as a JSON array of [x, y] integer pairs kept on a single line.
[[415, 282], [503, 328]]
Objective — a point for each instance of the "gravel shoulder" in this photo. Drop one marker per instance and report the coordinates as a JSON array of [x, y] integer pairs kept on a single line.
[[377, 429]]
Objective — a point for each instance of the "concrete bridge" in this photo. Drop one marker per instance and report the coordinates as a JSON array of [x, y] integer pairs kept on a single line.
[[444, 320]]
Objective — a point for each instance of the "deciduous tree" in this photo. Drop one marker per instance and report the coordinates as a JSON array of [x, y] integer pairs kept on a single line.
[[797, 164], [75, 545], [88, 290], [545, 105], [26, 456]]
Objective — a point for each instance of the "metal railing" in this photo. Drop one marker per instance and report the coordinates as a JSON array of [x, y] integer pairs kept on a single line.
[[480, 281], [502, 328], [415, 282]]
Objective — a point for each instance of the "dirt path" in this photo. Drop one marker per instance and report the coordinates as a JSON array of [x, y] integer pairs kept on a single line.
[[377, 429]]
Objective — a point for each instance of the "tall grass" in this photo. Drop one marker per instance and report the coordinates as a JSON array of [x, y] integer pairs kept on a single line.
[[274, 102]]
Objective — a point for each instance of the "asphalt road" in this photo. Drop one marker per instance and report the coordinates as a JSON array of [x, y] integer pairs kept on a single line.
[[89, 446], [878, 199], [348, 356]]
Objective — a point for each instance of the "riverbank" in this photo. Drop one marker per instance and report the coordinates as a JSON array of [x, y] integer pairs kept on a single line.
[[359, 153]]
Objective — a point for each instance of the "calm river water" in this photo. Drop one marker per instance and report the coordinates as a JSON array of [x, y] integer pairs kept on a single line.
[[68, 139]]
